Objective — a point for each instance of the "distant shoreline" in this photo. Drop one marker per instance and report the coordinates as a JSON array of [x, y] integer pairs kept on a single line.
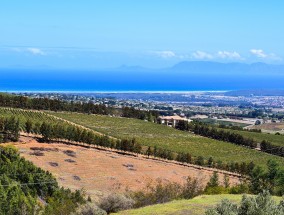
[[114, 92]]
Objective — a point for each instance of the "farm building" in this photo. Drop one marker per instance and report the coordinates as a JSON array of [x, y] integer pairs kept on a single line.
[[171, 121]]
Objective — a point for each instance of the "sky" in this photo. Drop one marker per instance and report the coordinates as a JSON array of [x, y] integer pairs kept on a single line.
[[92, 34]]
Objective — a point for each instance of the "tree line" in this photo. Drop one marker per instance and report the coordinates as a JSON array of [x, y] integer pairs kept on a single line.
[[59, 131], [24, 102], [227, 136], [65, 131]]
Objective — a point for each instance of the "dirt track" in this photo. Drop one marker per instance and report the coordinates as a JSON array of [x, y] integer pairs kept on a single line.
[[100, 172]]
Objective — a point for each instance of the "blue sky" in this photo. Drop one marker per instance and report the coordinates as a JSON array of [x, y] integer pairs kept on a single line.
[[110, 33]]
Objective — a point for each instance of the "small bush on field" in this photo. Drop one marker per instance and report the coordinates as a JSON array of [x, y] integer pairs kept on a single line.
[[44, 149], [54, 164], [116, 202], [160, 192], [261, 204], [37, 153], [89, 209], [70, 161], [77, 178], [70, 153]]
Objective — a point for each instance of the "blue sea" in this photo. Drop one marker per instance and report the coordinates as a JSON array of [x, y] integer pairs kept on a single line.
[[118, 81]]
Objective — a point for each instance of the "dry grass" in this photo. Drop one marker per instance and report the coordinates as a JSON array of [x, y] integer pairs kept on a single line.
[[100, 172]]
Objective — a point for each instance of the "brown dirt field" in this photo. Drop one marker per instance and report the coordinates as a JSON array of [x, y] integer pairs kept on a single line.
[[100, 172]]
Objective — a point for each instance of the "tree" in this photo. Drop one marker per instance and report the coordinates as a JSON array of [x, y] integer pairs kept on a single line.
[[210, 162], [149, 151], [226, 181], [200, 161], [214, 180], [46, 132], [29, 126]]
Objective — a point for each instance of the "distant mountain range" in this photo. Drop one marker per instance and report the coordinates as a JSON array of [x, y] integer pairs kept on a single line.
[[184, 76]]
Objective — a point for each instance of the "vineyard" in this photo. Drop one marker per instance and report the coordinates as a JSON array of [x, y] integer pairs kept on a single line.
[[277, 140], [23, 115], [150, 134]]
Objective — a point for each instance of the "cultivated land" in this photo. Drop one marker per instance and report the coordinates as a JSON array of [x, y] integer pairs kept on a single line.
[[195, 206], [277, 140], [151, 134], [271, 127], [225, 122], [23, 115], [99, 172]]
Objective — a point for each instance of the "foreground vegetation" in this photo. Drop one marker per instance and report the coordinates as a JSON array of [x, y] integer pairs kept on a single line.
[[195, 206], [151, 134], [261, 204], [27, 189]]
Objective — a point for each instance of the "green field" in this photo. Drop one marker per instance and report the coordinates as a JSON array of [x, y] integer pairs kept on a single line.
[[23, 115], [277, 140], [150, 134], [221, 122], [195, 206]]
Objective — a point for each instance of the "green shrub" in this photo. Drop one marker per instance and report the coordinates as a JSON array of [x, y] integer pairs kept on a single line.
[[89, 209], [116, 202], [259, 205]]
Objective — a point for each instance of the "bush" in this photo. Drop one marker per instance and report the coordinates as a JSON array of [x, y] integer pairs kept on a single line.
[[261, 204], [216, 190], [89, 209], [160, 192], [225, 208], [116, 202]]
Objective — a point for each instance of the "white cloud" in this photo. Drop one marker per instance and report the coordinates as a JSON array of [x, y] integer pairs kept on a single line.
[[200, 55], [261, 54], [35, 51], [229, 55], [258, 53], [165, 54]]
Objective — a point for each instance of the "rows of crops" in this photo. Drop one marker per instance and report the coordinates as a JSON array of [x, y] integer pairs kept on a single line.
[[150, 134], [23, 115], [277, 140]]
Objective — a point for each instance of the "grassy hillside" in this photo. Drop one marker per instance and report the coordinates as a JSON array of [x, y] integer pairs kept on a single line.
[[150, 134], [196, 206]]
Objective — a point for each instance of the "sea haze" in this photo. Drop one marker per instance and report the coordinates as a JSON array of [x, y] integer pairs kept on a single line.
[[185, 76]]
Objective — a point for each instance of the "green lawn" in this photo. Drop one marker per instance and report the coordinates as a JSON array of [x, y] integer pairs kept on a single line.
[[195, 206], [150, 134]]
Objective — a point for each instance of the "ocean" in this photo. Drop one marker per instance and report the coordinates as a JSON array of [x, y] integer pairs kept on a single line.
[[118, 81]]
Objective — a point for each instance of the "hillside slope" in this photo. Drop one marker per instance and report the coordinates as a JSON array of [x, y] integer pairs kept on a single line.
[[195, 206], [150, 134]]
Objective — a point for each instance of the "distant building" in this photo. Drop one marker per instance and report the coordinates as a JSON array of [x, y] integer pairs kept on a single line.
[[171, 121], [199, 117]]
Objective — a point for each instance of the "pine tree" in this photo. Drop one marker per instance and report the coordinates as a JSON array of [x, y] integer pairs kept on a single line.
[[28, 126]]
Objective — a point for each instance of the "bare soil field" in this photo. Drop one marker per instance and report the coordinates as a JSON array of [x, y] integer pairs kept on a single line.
[[99, 172]]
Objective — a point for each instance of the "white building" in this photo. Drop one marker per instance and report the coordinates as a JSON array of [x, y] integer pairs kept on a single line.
[[171, 121]]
